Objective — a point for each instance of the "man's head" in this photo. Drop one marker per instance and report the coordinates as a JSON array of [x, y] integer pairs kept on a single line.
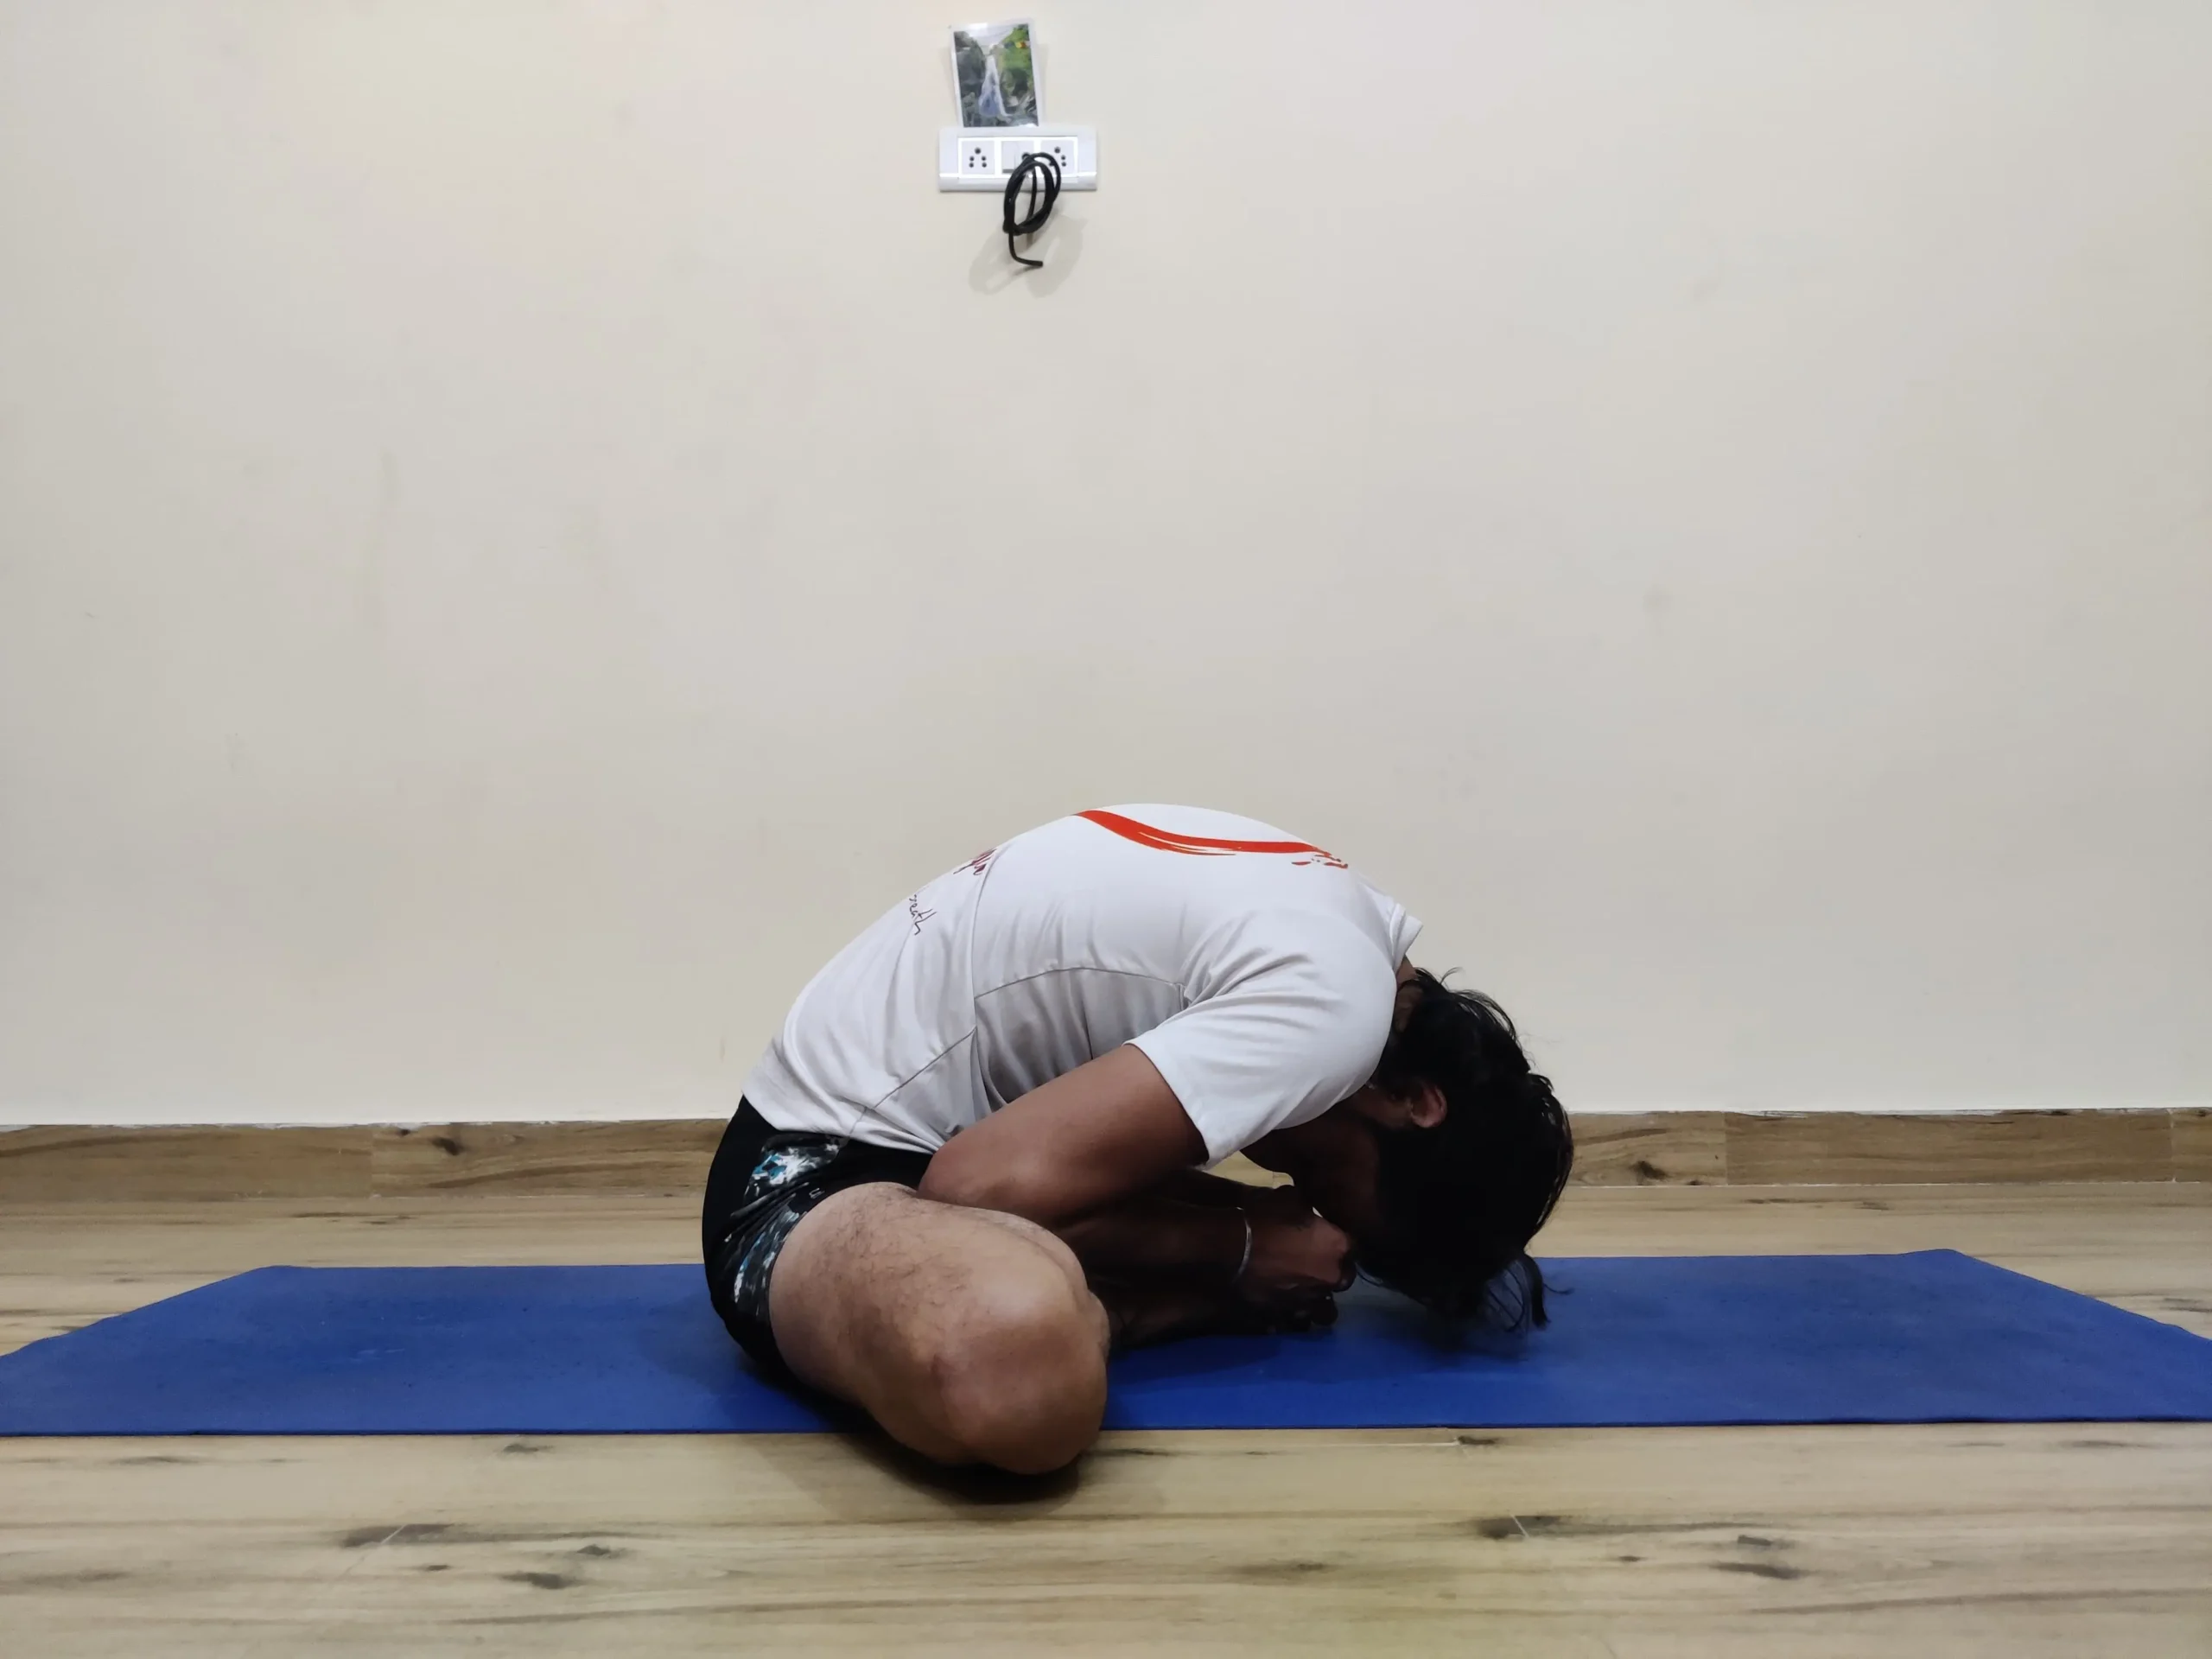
[[1446, 1164]]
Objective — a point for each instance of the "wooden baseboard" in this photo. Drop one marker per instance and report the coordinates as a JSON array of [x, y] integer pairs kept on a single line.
[[354, 1161], [57, 1165], [1853, 1148]]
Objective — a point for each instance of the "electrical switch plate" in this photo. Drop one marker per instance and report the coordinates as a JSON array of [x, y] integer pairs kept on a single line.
[[980, 158]]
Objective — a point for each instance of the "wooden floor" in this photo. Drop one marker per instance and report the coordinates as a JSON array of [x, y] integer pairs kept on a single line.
[[2028, 1539]]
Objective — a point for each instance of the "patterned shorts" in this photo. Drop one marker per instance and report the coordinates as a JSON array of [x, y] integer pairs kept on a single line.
[[762, 1182]]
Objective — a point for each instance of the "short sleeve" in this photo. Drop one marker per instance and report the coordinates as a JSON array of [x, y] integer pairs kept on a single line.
[[1281, 1046]]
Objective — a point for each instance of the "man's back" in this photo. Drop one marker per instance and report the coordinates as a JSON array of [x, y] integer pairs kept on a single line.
[[1256, 970]]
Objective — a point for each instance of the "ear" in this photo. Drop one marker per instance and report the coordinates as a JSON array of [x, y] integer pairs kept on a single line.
[[1422, 1108], [1426, 1107]]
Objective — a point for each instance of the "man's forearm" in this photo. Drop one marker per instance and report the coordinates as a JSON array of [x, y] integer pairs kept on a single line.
[[1165, 1267], [1155, 1235], [1142, 1312], [1201, 1186]]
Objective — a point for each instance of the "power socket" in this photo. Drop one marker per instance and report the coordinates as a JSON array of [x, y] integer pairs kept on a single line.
[[1060, 146], [980, 158]]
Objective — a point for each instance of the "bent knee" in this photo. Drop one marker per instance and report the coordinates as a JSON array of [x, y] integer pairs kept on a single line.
[[1048, 1245], [1022, 1379]]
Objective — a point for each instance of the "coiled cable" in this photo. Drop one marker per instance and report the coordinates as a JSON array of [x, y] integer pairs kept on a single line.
[[1037, 175]]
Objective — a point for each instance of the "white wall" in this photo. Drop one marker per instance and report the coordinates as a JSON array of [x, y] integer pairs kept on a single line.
[[523, 524]]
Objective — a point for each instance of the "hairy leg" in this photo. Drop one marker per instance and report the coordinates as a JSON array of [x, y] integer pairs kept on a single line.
[[968, 1334]]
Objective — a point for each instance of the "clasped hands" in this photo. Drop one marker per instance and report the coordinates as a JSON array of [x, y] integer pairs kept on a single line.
[[1298, 1262]]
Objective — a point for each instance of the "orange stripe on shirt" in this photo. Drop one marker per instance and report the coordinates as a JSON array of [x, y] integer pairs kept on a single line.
[[1167, 841]]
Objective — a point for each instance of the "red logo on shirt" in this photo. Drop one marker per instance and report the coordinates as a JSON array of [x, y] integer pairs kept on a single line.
[[1168, 840]]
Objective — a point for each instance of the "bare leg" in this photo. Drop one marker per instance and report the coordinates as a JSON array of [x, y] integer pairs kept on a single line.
[[969, 1335]]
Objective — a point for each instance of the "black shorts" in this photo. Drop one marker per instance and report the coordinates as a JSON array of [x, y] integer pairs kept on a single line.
[[764, 1179]]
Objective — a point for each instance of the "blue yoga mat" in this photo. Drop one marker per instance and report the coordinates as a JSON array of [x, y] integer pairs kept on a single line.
[[1933, 1336]]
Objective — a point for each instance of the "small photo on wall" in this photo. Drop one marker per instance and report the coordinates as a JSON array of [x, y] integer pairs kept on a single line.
[[996, 74]]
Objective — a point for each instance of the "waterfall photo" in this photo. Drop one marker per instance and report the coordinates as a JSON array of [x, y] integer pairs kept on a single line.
[[996, 75]]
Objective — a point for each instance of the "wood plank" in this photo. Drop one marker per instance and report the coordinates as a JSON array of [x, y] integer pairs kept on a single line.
[[1852, 1148], [665, 1155], [1650, 1149], [2193, 1144], [1237, 1168], [43, 1164], [2038, 1539]]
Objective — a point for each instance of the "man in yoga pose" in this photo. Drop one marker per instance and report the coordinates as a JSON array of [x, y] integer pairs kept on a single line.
[[970, 1164]]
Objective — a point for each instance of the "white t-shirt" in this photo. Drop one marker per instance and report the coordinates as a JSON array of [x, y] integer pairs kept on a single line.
[[1258, 973]]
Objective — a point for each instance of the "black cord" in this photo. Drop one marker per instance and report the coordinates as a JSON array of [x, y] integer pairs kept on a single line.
[[1039, 174]]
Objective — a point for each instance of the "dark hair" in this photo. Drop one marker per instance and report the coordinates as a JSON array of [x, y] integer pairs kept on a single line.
[[1461, 1201]]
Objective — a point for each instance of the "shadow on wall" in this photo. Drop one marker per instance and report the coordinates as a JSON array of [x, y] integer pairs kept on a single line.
[[1059, 245]]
